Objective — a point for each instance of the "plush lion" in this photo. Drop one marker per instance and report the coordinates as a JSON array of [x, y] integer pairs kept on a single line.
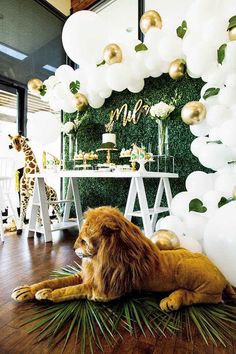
[[118, 259]]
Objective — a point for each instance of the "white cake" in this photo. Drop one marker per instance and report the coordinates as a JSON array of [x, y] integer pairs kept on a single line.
[[109, 138]]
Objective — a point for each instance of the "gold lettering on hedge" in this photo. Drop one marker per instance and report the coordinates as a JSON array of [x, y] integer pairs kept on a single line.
[[127, 116]]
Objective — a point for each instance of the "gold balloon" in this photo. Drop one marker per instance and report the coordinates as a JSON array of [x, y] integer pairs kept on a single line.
[[80, 102], [232, 34], [177, 69], [193, 113], [150, 19], [112, 54], [166, 239], [34, 85]]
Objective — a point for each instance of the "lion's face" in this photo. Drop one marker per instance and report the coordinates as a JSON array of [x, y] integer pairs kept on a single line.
[[97, 228], [87, 243]]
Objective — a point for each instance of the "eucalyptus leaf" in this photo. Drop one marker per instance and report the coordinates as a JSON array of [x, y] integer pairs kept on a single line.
[[74, 87], [221, 53], [197, 205], [232, 23], [224, 201], [140, 47], [181, 30], [211, 91]]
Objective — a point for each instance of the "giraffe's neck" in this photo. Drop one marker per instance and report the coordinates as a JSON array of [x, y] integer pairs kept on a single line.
[[31, 165]]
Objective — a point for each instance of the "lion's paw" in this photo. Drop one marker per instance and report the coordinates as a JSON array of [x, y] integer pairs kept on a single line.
[[22, 293], [169, 304], [44, 294]]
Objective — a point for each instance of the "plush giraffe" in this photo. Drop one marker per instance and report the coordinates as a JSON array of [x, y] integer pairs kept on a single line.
[[20, 143]]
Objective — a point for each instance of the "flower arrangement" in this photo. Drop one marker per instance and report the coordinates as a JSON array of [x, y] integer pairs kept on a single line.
[[161, 110], [71, 129], [161, 113]]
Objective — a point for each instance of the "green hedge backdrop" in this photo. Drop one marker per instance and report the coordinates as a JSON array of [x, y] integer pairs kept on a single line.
[[97, 192]]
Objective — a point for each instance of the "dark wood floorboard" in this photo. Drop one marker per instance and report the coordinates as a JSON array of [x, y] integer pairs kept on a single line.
[[24, 260]]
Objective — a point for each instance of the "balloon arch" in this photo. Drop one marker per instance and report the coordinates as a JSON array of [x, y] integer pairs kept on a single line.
[[203, 45]]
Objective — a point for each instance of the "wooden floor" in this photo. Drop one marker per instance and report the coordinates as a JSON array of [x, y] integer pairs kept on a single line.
[[23, 261]]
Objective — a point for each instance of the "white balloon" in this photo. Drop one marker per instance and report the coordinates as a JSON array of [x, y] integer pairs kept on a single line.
[[64, 73], [190, 244], [218, 114], [201, 129], [215, 134], [215, 156], [188, 40], [156, 73], [215, 31], [228, 132], [84, 37], [97, 79], [198, 144], [227, 95], [36, 127], [151, 63], [172, 223], [211, 199], [215, 76], [180, 204], [199, 12], [198, 183], [195, 224], [220, 240], [152, 38], [225, 184], [138, 68], [197, 62], [230, 55], [118, 76], [170, 47], [158, 224], [95, 101], [136, 86], [230, 80], [105, 93]]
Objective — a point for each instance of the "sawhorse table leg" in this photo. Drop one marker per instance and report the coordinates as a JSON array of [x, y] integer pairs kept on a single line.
[[40, 202], [73, 193]]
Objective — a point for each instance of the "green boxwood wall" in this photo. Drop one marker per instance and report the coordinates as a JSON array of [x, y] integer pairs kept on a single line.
[[96, 192]]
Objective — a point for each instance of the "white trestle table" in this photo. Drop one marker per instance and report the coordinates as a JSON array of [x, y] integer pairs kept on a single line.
[[136, 190]]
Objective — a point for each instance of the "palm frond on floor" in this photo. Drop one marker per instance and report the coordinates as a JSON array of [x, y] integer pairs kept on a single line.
[[92, 324]]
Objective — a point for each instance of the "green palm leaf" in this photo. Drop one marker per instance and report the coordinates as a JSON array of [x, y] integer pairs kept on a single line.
[[92, 322]]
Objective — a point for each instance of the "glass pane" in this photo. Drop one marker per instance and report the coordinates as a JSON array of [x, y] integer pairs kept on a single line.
[[30, 41]]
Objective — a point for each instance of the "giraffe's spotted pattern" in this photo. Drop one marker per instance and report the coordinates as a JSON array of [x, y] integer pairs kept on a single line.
[[20, 143]]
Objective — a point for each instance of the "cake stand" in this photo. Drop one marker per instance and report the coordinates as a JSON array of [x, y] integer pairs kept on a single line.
[[108, 150]]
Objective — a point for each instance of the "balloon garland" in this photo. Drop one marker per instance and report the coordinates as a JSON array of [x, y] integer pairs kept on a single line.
[[203, 45]]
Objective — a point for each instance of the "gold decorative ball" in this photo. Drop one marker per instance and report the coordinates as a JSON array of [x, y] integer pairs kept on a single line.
[[232, 34], [193, 113], [34, 85], [166, 239], [112, 54], [150, 19], [177, 69], [80, 101]]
